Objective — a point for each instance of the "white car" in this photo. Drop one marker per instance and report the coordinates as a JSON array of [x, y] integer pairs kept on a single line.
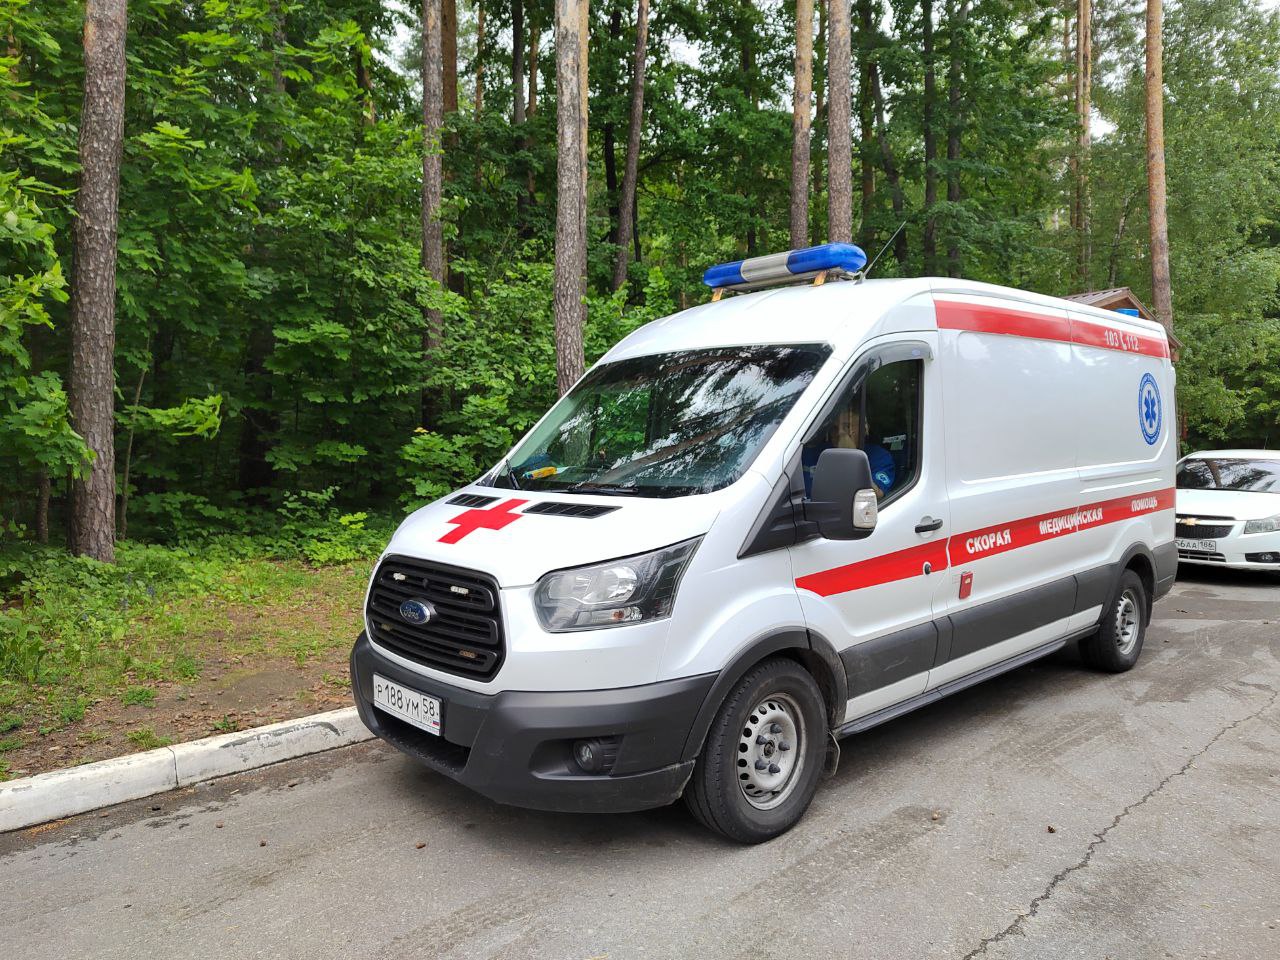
[[1229, 509]]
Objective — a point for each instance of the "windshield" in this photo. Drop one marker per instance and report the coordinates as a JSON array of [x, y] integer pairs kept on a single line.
[[665, 425], [1254, 476]]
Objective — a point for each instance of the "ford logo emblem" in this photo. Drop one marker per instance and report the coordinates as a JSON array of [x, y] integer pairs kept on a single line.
[[417, 612]]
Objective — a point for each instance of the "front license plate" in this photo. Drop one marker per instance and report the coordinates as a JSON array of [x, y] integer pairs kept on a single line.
[[409, 705], [1204, 546]]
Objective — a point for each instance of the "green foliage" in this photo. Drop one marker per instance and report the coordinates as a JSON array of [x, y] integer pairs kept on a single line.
[[21, 649], [274, 393], [310, 524]]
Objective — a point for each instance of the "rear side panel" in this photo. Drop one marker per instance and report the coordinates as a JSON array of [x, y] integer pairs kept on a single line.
[[1060, 457], [1126, 435], [1011, 458]]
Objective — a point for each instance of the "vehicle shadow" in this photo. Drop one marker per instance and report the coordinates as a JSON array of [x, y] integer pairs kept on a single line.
[[1223, 576], [531, 834]]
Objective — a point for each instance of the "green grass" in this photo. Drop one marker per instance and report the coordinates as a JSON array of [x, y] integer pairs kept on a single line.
[[144, 738], [74, 632], [10, 743], [72, 711], [226, 725], [138, 697]]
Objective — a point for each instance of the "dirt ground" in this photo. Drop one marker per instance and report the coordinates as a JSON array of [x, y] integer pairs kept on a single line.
[[257, 663]]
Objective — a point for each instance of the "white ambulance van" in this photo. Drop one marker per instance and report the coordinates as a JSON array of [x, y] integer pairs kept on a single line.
[[766, 523]]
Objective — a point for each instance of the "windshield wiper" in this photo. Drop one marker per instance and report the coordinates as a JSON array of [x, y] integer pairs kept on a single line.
[[506, 471], [607, 489]]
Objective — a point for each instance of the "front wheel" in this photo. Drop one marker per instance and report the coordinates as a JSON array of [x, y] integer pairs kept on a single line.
[[1116, 645], [762, 759]]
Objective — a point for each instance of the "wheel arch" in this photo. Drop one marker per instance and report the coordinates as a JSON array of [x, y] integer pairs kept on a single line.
[[1141, 561], [811, 650]]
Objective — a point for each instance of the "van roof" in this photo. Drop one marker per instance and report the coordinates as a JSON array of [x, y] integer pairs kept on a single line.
[[841, 313]]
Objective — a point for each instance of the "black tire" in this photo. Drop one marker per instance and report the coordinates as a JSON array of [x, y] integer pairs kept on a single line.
[[718, 791], [1117, 645]]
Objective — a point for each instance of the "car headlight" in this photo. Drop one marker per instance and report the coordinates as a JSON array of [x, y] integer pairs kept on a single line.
[[1269, 525], [614, 593]]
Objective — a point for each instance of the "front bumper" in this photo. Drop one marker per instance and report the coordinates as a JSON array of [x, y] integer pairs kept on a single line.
[[515, 746], [1238, 552]]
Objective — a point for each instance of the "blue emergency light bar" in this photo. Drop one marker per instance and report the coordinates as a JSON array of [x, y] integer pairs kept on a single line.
[[791, 265]]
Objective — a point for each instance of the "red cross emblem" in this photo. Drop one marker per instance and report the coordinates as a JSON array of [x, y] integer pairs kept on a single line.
[[495, 518]]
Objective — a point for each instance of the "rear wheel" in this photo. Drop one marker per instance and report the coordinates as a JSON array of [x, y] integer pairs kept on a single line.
[[762, 759], [1118, 642]]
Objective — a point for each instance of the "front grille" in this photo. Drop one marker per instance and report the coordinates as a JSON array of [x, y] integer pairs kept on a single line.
[[1201, 555], [1202, 530], [464, 636]]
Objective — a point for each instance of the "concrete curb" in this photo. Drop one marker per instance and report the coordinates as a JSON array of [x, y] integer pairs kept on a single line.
[[64, 793]]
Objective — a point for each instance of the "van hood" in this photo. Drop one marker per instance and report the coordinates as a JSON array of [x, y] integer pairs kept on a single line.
[[518, 535], [1237, 504]]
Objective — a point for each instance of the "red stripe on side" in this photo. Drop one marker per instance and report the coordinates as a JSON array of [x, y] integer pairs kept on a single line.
[[956, 315], [983, 318], [982, 543], [1109, 338], [900, 565]]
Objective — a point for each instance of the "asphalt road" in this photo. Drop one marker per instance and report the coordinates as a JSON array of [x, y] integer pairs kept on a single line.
[[1161, 786]]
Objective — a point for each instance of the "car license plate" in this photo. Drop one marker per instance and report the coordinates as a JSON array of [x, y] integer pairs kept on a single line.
[[410, 706], [1202, 546]]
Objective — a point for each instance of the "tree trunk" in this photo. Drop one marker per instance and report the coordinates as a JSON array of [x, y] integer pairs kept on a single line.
[[839, 127], [432, 184], [901, 251], [43, 489], [1070, 73], [801, 122], [610, 146], [254, 472], [535, 34], [866, 136], [571, 190], [128, 458], [517, 62], [630, 173], [955, 126], [930, 143], [1161, 292], [1113, 262], [1084, 96], [449, 54], [93, 283], [817, 173], [479, 94]]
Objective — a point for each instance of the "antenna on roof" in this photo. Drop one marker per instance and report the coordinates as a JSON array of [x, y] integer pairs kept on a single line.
[[866, 271]]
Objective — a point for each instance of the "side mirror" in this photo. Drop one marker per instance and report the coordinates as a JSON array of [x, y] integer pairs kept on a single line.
[[843, 504]]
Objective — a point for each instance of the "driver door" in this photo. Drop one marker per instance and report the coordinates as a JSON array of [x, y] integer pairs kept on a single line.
[[873, 598]]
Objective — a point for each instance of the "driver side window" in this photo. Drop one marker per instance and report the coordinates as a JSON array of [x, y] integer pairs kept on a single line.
[[879, 415]]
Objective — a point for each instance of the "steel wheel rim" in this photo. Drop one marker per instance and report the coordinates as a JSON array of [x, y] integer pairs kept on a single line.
[[1128, 622], [771, 751]]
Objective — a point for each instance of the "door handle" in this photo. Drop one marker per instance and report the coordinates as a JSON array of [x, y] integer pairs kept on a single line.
[[928, 525]]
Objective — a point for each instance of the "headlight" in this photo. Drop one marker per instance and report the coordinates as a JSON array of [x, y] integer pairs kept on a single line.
[[611, 594], [1269, 525]]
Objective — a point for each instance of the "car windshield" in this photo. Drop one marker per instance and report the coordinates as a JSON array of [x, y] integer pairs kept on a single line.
[[665, 425], [1229, 473]]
